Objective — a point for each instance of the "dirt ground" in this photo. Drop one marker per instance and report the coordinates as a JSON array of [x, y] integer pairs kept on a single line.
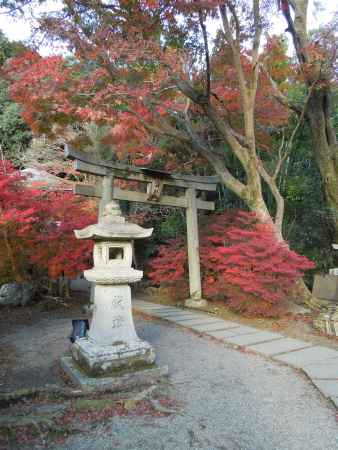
[[296, 325]]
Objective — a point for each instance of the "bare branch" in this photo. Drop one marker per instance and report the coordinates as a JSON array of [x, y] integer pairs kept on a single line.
[[280, 97], [222, 171], [206, 50]]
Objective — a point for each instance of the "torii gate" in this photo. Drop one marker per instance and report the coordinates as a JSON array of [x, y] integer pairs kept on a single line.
[[156, 182]]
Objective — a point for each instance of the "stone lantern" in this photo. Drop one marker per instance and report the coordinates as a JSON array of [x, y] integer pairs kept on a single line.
[[112, 344]]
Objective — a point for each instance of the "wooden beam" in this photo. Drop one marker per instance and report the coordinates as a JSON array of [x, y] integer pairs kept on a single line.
[[85, 167], [88, 164], [134, 196], [88, 190]]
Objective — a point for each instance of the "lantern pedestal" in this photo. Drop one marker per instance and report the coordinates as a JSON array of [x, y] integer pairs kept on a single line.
[[112, 344]]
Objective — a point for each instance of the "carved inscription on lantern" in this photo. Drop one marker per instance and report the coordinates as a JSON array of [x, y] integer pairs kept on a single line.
[[118, 305], [117, 322], [117, 302]]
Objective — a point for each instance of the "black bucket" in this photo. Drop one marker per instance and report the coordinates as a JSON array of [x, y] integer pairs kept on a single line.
[[80, 328]]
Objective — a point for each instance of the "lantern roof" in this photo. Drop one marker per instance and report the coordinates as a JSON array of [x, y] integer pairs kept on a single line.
[[113, 226]]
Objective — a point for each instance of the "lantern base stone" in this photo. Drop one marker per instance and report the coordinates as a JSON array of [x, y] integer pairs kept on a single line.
[[104, 360], [124, 381]]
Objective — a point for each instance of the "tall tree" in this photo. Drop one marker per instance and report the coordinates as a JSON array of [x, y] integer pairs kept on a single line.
[[15, 135], [317, 59]]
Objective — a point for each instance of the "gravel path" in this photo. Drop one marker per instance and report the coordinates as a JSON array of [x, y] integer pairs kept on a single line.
[[35, 349], [229, 401]]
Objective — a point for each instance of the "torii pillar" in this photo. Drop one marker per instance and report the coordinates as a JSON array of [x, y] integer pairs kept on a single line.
[[195, 286]]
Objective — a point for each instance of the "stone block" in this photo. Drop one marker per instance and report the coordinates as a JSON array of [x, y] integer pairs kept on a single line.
[[311, 355], [326, 287], [15, 294], [102, 360], [279, 346], [124, 381], [327, 322], [334, 271], [250, 339]]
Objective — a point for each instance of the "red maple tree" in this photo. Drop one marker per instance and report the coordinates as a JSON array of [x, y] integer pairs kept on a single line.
[[37, 230]]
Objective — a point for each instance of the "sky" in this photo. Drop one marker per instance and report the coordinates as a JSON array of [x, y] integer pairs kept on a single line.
[[16, 29]]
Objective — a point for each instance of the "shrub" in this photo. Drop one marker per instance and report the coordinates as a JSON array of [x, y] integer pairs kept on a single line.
[[242, 262]]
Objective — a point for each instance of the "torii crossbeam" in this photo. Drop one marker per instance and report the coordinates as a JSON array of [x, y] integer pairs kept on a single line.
[[156, 182]]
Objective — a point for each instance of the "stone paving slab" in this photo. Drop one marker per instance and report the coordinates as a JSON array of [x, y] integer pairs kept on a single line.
[[225, 334], [149, 306], [250, 339], [302, 358], [155, 312], [180, 314], [278, 347], [186, 321], [166, 314], [175, 318], [323, 370], [328, 387], [214, 326], [163, 310]]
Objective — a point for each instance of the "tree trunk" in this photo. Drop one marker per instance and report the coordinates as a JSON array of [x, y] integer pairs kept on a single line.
[[301, 295], [319, 107], [325, 149], [12, 257]]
